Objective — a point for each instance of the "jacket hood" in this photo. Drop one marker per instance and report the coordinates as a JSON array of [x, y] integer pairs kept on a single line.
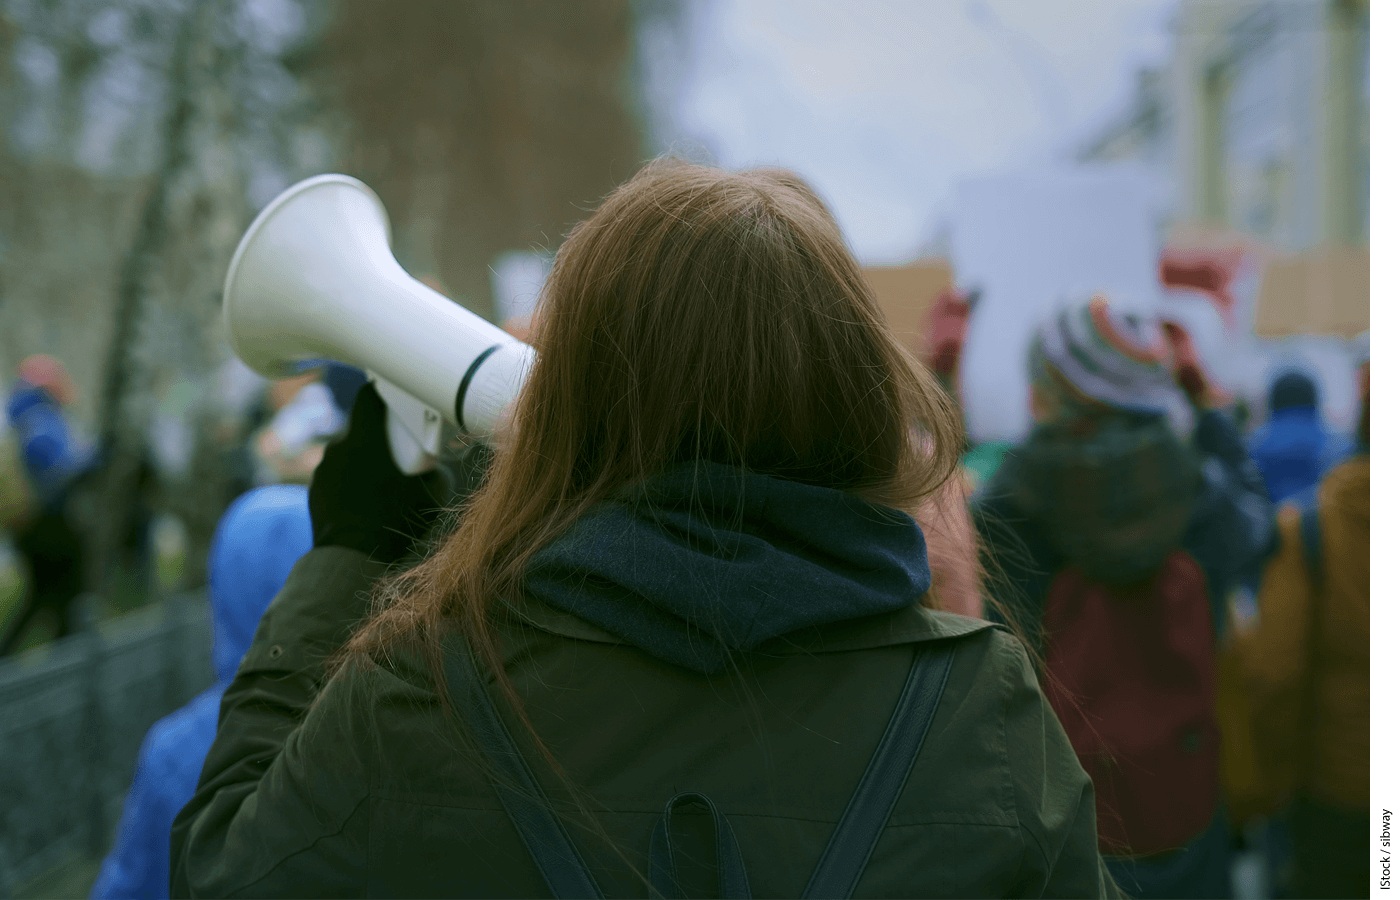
[[705, 560], [260, 537], [1114, 496], [1293, 390]]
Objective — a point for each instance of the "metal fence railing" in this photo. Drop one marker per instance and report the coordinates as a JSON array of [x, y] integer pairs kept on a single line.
[[72, 717]]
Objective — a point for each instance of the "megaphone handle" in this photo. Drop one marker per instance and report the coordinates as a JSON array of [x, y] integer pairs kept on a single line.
[[414, 429], [408, 456]]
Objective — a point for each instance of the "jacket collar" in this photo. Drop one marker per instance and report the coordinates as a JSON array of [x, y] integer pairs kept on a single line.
[[910, 625]]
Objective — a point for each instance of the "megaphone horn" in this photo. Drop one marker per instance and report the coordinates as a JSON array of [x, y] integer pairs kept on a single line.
[[313, 278]]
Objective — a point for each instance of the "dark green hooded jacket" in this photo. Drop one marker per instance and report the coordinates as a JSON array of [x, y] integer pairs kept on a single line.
[[750, 646], [1116, 500]]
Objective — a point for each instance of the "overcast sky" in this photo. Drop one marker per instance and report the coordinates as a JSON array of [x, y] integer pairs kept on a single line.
[[884, 105]]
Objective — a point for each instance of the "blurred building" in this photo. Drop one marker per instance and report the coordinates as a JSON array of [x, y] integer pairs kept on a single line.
[[1260, 120]]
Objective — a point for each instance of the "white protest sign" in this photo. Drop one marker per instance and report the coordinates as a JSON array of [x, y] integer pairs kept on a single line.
[[1029, 241]]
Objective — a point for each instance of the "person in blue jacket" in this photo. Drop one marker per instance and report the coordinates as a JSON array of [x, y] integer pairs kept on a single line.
[[48, 537], [1293, 450], [263, 533]]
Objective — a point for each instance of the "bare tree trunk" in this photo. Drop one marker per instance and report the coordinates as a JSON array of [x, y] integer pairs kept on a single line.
[[121, 441]]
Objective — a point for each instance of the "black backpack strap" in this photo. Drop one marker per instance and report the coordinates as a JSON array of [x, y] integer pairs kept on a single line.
[[846, 854], [733, 878], [536, 821], [1310, 528]]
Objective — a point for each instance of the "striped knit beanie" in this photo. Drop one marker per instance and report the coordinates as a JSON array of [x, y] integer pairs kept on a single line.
[[1089, 359]]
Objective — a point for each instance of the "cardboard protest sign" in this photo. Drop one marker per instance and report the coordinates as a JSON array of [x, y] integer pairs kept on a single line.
[[1326, 291], [906, 294]]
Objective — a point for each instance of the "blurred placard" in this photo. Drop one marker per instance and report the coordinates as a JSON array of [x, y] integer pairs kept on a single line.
[[1323, 291], [906, 293], [517, 280], [1032, 240], [1202, 238]]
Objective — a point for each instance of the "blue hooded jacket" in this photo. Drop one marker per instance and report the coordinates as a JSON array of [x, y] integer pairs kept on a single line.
[[263, 533], [53, 455], [1293, 450]]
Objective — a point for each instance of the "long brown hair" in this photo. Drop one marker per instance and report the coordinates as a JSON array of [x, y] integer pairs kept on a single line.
[[697, 314]]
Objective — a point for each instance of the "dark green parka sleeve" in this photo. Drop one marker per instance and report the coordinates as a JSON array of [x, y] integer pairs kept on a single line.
[[258, 749]]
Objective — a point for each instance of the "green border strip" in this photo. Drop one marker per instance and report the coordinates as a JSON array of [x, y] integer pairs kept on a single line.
[[1385, 567]]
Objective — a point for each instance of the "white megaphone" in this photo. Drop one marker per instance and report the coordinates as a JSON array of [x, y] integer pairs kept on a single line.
[[313, 278]]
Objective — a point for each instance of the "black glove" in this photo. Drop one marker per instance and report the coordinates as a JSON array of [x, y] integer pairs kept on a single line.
[[359, 499]]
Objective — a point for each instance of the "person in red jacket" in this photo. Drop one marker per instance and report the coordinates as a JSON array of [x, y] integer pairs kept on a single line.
[[1119, 528]]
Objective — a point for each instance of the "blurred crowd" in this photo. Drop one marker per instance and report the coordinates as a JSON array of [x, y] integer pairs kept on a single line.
[[51, 478], [1195, 592], [1198, 591]]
